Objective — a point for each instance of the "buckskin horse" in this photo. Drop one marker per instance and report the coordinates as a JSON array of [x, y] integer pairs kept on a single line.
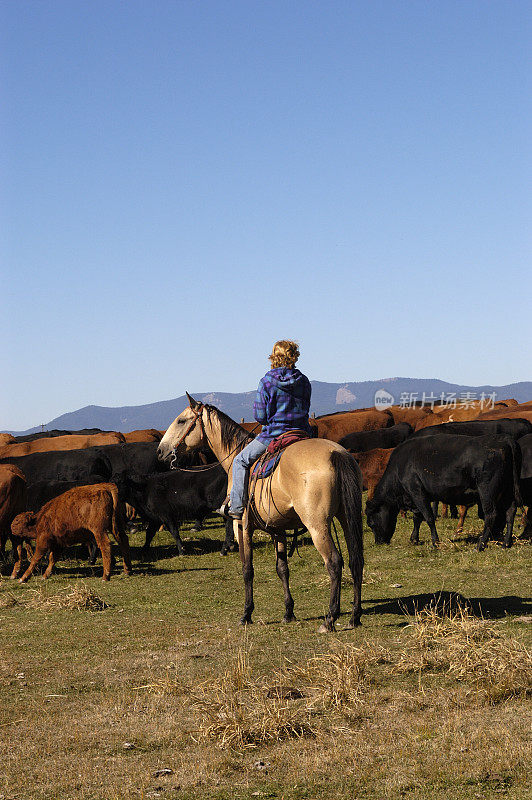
[[315, 480]]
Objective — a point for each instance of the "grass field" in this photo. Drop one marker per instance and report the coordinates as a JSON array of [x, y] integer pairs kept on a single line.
[[163, 694]]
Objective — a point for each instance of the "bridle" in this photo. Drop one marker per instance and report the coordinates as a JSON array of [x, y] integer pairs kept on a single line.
[[192, 424], [198, 414]]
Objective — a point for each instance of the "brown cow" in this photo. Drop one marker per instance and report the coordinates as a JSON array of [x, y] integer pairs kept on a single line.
[[523, 411], [72, 442], [335, 426], [148, 435], [412, 415], [12, 490], [372, 464], [75, 516]]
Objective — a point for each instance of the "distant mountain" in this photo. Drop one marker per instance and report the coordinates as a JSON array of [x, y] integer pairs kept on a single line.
[[326, 398]]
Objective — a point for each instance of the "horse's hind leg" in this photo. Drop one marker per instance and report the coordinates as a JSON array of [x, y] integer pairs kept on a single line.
[[283, 572], [321, 537], [356, 567], [245, 546]]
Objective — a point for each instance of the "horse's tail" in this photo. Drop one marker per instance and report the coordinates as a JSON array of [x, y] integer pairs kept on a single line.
[[349, 488]]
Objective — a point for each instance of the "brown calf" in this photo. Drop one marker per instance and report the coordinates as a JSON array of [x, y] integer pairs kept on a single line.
[[75, 516]]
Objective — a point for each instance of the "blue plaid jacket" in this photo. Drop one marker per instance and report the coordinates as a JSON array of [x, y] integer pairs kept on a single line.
[[282, 402]]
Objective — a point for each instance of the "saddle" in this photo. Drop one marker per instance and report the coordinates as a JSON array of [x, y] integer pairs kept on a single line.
[[264, 468], [269, 460]]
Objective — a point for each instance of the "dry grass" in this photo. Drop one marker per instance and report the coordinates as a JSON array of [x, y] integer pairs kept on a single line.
[[405, 707], [74, 597], [238, 710], [470, 649]]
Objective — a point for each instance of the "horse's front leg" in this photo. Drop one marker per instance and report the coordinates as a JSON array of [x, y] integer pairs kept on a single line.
[[245, 546], [283, 572]]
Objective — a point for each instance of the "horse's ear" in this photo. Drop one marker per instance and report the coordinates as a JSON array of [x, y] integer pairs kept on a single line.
[[192, 403]]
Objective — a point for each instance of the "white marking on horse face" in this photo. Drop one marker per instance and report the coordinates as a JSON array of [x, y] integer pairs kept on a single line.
[[173, 434]]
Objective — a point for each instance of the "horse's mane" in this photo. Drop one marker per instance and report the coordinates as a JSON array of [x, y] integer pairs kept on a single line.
[[233, 435]]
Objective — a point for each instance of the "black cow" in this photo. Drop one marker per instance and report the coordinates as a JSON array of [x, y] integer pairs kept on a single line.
[[39, 493], [362, 441], [454, 469], [77, 465], [30, 437], [173, 497], [63, 465], [507, 427], [525, 484]]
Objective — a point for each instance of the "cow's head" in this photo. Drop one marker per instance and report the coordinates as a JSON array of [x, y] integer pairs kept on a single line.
[[382, 519], [24, 525]]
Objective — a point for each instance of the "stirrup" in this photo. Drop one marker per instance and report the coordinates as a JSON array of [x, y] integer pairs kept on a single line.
[[223, 511]]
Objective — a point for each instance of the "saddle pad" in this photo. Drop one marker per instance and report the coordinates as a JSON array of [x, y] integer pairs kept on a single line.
[[262, 469]]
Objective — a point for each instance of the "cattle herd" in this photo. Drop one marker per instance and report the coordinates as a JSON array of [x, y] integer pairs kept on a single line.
[[59, 488]]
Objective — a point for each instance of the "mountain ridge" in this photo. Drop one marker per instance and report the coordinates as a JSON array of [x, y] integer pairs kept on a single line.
[[326, 398]]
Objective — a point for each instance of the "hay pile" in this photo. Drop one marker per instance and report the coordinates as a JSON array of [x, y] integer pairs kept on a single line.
[[470, 649], [75, 597]]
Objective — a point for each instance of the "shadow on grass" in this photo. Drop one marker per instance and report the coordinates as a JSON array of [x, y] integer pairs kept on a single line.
[[445, 602]]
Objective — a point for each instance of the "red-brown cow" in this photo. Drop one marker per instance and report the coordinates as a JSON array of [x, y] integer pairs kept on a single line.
[[12, 488], [372, 464], [75, 516], [335, 426], [144, 435]]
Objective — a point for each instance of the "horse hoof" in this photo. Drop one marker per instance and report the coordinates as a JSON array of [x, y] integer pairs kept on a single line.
[[244, 622], [325, 628], [289, 618], [353, 623]]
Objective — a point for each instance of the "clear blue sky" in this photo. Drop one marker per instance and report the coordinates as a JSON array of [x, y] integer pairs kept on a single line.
[[185, 182]]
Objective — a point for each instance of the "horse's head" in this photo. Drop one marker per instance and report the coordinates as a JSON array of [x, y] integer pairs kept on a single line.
[[185, 434]]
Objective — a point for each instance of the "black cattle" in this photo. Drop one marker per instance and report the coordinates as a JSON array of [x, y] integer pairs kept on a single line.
[[30, 437], [507, 427], [76, 465], [63, 465], [362, 441], [525, 484], [39, 493], [173, 497], [134, 458], [454, 469]]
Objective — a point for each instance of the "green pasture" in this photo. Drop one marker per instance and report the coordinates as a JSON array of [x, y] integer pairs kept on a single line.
[[163, 694]]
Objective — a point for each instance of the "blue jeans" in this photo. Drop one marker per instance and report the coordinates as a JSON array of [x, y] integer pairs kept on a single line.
[[241, 465]]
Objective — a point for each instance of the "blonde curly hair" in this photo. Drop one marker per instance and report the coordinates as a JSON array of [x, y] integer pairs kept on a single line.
[[284, 354]]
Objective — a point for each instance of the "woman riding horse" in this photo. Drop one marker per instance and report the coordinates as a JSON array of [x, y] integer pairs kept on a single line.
[[282, 404], [315, 480]]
